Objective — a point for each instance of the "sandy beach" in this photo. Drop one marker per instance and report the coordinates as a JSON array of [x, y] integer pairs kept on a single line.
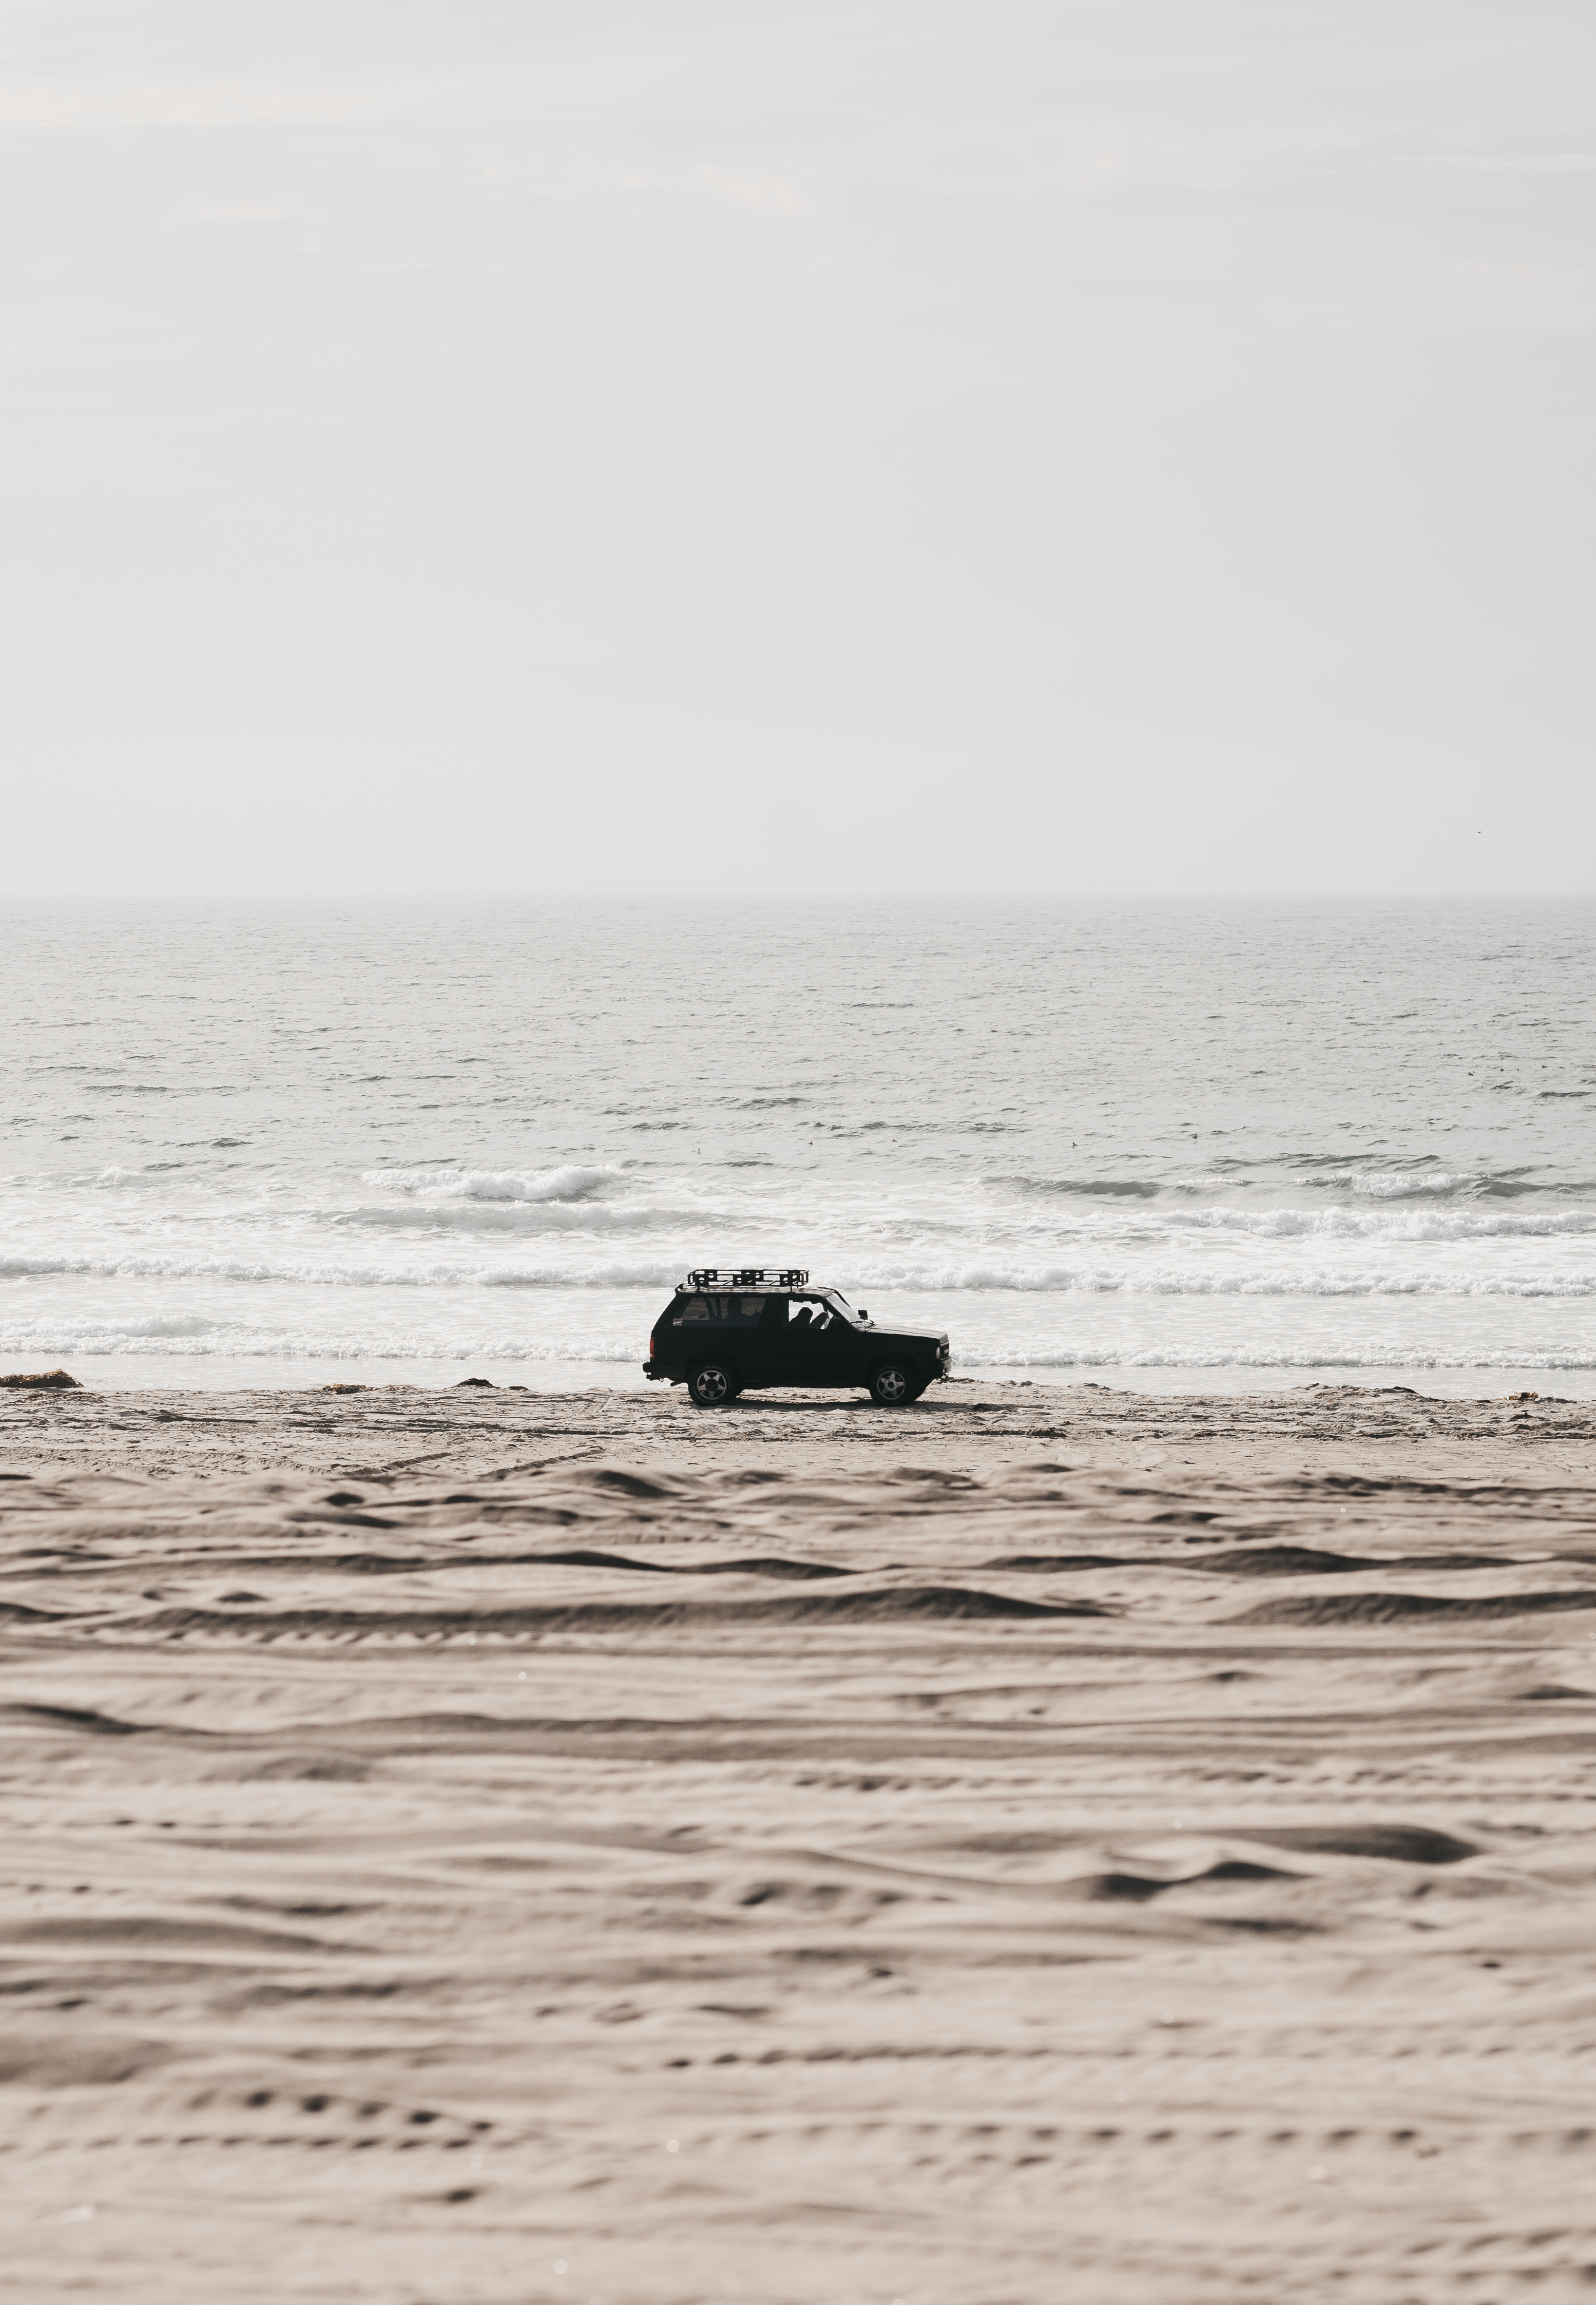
[[1047, 1844]]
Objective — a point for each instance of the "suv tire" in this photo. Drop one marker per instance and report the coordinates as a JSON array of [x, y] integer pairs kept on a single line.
[[894, 1384], [712, 1385]]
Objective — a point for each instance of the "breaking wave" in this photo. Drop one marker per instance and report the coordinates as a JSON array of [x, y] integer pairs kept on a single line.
[[1139, 1189], [538, 1185], [1409, 1183], [521, 1217]]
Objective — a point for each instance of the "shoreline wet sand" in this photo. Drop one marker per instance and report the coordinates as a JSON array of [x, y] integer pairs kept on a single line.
[[387, 1431], [1047, 1842]]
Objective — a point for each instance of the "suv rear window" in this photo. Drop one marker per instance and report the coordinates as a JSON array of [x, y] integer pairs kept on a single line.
[[722, 1309]]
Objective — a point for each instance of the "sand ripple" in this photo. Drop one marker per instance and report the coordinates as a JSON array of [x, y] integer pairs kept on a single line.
[[801, 1880]]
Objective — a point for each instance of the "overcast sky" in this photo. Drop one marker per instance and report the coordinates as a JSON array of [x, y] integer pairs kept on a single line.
[[906, 445]]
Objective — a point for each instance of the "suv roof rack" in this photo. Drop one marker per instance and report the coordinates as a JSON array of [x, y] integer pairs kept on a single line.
[[747, 1276]]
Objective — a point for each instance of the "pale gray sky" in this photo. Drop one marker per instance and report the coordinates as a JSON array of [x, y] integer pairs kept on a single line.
[[904, 444]]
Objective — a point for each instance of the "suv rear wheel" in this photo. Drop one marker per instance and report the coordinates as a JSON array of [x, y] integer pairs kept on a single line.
[[712, 1385], [893, 1384]]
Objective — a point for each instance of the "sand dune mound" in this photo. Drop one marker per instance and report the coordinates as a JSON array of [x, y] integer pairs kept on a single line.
[[1284, 1560], [1390, 1608], [1396, 1845]]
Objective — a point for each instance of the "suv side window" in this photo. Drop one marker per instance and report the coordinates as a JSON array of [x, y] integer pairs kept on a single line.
[[696, 1308]]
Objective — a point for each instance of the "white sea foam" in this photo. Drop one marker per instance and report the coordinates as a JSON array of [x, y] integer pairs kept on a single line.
[[1565, 1223], [1118, 1222], [237, 1339], [1256, 1358], [1137, 1220], [861, 1274], [626, 1273]]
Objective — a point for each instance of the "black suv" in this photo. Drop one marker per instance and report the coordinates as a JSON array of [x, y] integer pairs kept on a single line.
[[723, 1332]]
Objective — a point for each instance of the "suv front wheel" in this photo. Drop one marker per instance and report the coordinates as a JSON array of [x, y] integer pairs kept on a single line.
[[712, 1385], [894, 1384]]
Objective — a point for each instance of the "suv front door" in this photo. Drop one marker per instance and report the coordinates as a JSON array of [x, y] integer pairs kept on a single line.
[[819, 1346]]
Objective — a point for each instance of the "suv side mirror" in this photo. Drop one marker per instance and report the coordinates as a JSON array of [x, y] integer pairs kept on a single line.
[[862, 1314]]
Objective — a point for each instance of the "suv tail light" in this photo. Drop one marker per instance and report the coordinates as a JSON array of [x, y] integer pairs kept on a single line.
[[650, 1347]]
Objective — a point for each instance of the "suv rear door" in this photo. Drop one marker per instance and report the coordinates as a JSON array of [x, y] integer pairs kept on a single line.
[[726, 1326]]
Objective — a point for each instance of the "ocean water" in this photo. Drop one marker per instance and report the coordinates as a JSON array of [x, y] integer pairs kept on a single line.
[[1148, 1142]]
